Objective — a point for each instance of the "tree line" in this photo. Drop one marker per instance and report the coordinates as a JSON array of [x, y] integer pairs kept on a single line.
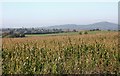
[[20, 32]]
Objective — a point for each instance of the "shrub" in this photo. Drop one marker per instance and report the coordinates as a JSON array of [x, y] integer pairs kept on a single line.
[[85, 32], [80, 33]]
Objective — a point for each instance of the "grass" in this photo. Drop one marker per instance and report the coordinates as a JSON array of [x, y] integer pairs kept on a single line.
[[69, 33], [95, 32]]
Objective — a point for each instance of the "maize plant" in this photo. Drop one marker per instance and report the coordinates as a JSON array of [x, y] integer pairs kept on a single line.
[[75, 54]]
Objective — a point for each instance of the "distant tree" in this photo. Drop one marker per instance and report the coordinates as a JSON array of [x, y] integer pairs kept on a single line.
[[109, 30], [80, 33], [4, 34], [13, 35], [22, 35], [97, 29], [11, 32], [68, 30], [74, 30], [85, 32], [90, 30]]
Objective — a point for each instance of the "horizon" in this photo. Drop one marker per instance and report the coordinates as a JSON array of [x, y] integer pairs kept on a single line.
[[60, 25], [43, 14]]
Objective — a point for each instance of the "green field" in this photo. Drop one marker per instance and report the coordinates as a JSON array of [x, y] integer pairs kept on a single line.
[[68, 33]]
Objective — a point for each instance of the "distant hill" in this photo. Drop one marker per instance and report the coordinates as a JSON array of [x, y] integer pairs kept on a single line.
[[99, 25]]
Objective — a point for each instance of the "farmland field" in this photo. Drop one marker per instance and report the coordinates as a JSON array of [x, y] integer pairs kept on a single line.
[[70, 54], [68, 33], [54, 34]]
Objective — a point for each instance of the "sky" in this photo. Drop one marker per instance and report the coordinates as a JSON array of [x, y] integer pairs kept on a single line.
[[40, 14]]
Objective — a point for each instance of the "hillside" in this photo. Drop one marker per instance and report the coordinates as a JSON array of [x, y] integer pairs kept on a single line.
[[99, 25]]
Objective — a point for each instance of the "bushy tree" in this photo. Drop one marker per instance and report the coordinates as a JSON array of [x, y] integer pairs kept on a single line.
[[80, 33], [85, 32]]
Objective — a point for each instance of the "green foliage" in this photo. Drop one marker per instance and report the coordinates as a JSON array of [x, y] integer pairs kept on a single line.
[[80, 33], [85, 32]]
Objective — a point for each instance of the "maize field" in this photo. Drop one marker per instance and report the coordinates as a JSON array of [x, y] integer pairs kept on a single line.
[[70, 54]]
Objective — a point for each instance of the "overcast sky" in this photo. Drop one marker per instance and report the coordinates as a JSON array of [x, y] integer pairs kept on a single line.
[[38, 14]]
